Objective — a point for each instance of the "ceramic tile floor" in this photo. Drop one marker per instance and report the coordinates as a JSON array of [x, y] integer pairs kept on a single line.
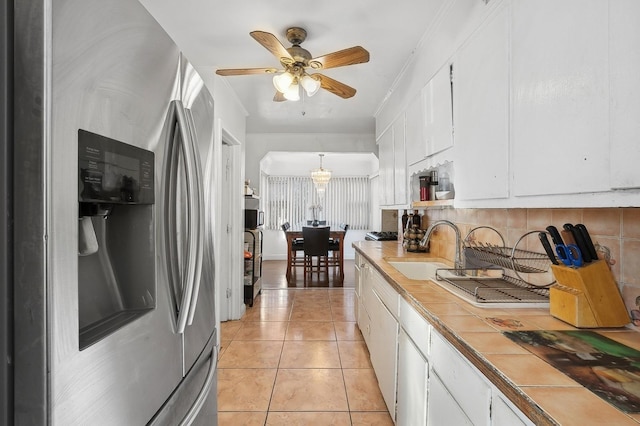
[[297, 358]]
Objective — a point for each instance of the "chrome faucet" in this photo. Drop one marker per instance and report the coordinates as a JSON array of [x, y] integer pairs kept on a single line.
[[427, 235]]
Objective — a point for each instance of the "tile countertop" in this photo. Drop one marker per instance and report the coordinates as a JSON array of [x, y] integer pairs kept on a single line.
[[545, 394]]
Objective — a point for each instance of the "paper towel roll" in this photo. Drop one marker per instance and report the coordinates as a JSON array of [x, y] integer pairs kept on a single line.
[[87, 241]]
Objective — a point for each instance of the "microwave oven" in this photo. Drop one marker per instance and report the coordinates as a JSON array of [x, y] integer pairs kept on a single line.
[[253, 218]]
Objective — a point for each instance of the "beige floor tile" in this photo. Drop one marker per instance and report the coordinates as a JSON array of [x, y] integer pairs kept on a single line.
[[347, 331], [245, 389], [262, 330], [371, 419], [354, 354], [362, 390], [228, 329], [244, 418], [251, 354], [310, 330], [312, 313], [267, 314], [343, 313], [309, 390], [278, 418], [310, 354]]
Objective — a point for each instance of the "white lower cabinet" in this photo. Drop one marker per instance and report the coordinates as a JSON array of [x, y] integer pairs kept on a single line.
[[377, 320], [423, 379], [413, 370], [466, 385], [443, 408], [503, 413]]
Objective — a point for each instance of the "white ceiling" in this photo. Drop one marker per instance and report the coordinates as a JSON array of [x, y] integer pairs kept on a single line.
[[215, 34]]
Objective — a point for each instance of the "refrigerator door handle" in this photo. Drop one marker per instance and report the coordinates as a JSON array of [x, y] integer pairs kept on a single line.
[[204, 391], [199, 195], [182, 283]]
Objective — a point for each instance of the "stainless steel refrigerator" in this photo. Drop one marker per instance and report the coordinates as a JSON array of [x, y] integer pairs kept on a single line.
[[109, 221]]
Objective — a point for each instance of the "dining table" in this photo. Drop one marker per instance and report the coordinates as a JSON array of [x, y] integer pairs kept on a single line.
[[334, 233]]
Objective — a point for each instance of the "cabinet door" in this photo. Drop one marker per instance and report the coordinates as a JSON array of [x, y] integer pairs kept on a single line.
[[386, 164], [438, 112], [481, 83], [416, 147], [624, 66], [412, 383], [461, 380], [384, 351], [401, 184], [560, 95], [502, 413], [442, 407]]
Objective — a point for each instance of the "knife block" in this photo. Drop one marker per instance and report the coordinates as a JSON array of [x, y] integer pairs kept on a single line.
[[587, 297]]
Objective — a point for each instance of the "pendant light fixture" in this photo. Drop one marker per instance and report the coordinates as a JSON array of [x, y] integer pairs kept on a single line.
[[320, 177]]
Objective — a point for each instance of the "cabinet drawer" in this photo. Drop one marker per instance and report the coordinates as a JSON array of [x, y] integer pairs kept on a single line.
[[387, 294], [461, 379], [416, 326]]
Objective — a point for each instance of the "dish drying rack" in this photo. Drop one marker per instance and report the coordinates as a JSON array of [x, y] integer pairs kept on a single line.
[[496, 273]]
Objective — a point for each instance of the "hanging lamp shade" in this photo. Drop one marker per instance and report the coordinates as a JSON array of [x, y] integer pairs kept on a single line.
[[320, 177]]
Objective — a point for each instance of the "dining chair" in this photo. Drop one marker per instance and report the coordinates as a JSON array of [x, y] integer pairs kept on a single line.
[[297, 245], [334, 248], [316, 246]]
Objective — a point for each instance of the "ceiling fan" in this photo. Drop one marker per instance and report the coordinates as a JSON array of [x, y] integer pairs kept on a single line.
[[296, 60]]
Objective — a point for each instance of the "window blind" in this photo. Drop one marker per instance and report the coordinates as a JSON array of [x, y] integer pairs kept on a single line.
[[294, 199]]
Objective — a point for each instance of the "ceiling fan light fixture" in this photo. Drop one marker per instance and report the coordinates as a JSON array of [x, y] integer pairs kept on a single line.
[[310, 85], [292, 93], [283, 81]]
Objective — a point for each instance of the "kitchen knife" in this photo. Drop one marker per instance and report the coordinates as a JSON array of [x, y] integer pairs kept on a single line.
[[588, 242], [547, 247], [555, 235], [579, 239]]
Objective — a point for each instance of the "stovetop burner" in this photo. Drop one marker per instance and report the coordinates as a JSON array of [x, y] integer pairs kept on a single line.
[[381, 236]]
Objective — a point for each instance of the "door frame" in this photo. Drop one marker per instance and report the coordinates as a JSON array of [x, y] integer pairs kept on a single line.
[[229, 239]]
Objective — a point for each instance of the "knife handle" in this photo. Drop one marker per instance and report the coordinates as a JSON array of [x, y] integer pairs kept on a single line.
[[547, 247], [587, 240], [579, 239], [555, 235]]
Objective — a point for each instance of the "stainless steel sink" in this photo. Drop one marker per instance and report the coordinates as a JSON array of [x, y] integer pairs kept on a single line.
[[492, 290]]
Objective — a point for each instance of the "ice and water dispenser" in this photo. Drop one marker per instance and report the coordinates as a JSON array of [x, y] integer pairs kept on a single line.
[[116, 235]]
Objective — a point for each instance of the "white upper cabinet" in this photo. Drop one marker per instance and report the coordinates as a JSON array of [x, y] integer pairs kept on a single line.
[[416, 146], [401, 182], [393, 164], [481, 112], [386, 164], [438, 111], [624, 69], [560, 97]]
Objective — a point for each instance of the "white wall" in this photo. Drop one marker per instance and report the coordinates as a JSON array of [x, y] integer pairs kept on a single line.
[[259, 144]]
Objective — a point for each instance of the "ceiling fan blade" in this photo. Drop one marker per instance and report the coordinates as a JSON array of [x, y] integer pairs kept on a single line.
[[341, 58], [279, 97], [335, 87], [246, 71], [273, 45]]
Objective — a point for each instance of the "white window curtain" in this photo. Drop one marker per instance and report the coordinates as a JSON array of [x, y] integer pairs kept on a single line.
[[294, 199]]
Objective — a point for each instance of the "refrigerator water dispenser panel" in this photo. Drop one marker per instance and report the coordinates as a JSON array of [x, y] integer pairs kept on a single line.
[[114, 172], [116, 236]]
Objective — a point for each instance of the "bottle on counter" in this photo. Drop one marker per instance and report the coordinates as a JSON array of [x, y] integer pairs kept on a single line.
[[417, 219], [405, 219]]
